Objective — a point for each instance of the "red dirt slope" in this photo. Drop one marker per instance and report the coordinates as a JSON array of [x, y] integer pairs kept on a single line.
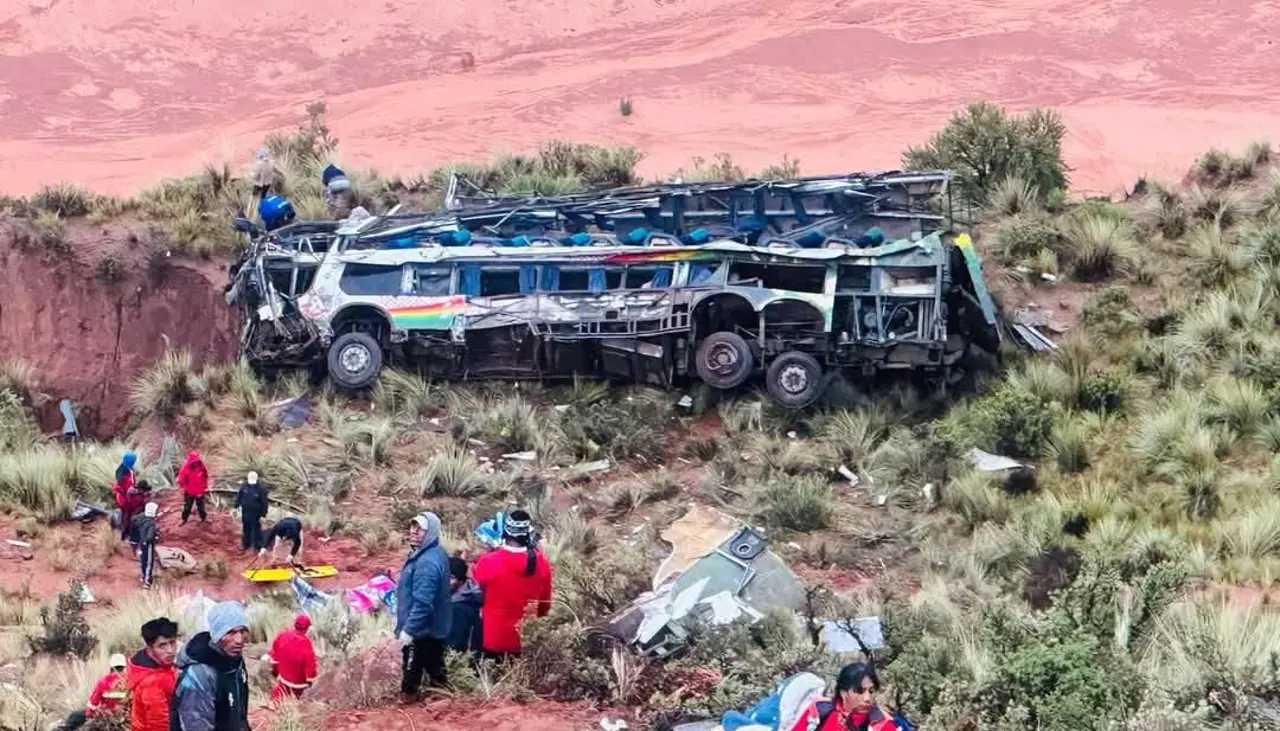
[[88, 337], [114, 93]]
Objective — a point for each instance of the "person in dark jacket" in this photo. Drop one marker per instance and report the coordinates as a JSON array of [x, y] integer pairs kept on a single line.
[[145, 536], [252, 502], [286, 529], [466, 597], [212, 693], [424, 613]]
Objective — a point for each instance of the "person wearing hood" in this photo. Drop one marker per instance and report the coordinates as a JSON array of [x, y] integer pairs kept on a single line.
[[466, 597], [193, 478], [515, 578], [424, 615], [293, 660], [212, 692], [126, 480], [151, 676], [251, 499], [104, 698], [145, 536]]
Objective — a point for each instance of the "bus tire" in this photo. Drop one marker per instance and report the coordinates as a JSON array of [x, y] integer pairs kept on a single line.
[[724, 360], [794, 379], [355, 360]]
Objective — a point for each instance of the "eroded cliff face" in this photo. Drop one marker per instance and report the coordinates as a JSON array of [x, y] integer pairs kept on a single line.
[[93, 311]]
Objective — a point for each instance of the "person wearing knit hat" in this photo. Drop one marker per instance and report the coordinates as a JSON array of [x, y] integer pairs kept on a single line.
[[213, 687], [145, 536], [251, 499], [424, 612], [292, 660], [513, 579]]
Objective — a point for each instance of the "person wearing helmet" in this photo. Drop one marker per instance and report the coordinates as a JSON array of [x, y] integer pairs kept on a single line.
[[105, 696], [251, 499], [145, 536]]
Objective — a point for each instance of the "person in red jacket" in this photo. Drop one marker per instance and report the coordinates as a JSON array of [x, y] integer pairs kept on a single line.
[[293, 660], [193, 478], [126, 479], [514, 578], [104, 698], [152, 677], [854, 707]]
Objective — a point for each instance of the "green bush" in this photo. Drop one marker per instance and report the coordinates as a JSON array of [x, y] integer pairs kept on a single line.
[[984, 146], [65, 628], [1025, 237], [1007, 421]]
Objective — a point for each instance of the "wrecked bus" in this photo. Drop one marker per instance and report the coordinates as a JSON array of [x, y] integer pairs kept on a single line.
[[781, 281]]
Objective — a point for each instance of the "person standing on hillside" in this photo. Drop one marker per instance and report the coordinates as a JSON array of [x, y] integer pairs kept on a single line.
[[424, 615], [145, 536], [515, 578], [464, 635], [293, 660], [126, 479], [252, 502], [193, 478], [288, 529], [151, 676], [212, 693], [104, 698]]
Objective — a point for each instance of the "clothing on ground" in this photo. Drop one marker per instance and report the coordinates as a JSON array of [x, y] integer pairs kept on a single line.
[[510, 594], [424, 657], [212, 693], [106, 694], [294, 658], [423, 606], [465, 634], [150, 690], [193, 477]]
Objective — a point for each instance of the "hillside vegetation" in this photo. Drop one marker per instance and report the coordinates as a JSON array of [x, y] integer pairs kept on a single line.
[[1080, 594]]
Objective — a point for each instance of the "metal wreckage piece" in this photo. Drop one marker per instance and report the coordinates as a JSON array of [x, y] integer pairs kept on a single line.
[[785, 281]]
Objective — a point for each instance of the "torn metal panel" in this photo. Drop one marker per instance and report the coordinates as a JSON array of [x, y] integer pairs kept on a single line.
[[1033, 338]]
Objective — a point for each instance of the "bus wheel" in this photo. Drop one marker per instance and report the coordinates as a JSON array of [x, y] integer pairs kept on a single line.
[[724, 360], [794, 379], [355, 359]]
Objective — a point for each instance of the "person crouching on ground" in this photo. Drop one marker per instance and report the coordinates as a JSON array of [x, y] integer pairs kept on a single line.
[[466, 597], [145, 536], [288, 529], [251, 499], [293, 660], [213, 687], [104, 698], [151, 676], [514, 578], [424, 614], [854, 705], [193, 478]]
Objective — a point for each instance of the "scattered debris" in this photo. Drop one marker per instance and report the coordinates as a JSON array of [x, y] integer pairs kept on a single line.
[[528, 456], [838, 636], [739, 577], [19, 544], [988, 462], [294, 413]]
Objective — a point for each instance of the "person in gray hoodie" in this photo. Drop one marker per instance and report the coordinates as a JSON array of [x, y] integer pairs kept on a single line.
[[424, 613], [212, 692]]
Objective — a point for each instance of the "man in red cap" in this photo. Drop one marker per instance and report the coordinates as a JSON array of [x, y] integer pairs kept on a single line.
[[293, 660]]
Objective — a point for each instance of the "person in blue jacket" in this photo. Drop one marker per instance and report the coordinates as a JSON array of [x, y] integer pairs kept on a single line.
[[467, 600], [424, 612]]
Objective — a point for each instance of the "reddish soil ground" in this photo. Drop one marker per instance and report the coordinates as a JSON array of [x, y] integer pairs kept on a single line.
[[115, 93], [207, 543]]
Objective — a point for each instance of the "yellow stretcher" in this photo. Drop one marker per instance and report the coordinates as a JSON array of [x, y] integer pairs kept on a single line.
[[284, 573]]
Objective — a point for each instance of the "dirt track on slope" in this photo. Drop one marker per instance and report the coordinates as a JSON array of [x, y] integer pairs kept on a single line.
[[113, 94]]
